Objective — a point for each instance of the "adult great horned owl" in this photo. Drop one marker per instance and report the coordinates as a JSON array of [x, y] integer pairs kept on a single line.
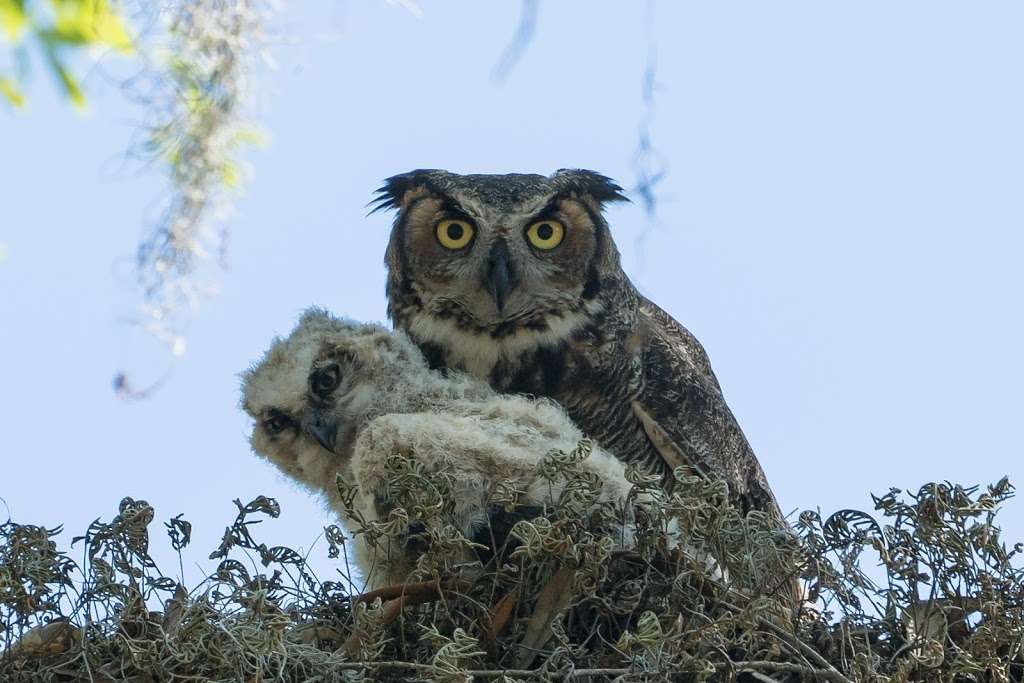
[[343, 398], [516, 279]]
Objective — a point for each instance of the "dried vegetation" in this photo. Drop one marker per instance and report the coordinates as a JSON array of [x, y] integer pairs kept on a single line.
[[922, 589]]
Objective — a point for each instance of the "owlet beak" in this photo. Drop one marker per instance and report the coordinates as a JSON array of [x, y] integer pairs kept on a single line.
[[499, 278], [325, 433]]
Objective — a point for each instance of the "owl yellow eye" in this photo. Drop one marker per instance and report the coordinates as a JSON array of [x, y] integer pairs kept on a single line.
[[545, 234], [454, 234]]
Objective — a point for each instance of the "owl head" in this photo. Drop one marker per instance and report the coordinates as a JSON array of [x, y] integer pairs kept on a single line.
[[496, 253], [313, 390]]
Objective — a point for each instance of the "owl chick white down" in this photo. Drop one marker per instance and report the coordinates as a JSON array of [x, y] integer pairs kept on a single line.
[[338, 397]]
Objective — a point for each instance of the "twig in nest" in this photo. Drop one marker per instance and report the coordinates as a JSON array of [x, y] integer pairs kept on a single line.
[[395, 598], [428, 589], [553, 599]]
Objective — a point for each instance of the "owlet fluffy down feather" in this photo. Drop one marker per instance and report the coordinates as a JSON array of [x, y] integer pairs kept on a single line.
[[340, 398], [516, 280]]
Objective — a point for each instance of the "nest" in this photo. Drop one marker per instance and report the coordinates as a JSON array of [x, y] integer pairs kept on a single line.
[[924, 589]]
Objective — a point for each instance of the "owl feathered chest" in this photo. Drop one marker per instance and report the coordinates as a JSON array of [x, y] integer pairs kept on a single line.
[[581, 362], [586, 357], [545, 351]]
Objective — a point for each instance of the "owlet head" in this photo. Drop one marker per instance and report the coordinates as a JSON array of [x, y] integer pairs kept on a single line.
[[274, 395], [313, 390], [483, 250]]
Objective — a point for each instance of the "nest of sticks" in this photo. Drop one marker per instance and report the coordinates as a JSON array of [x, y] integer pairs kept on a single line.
[[921, 589]]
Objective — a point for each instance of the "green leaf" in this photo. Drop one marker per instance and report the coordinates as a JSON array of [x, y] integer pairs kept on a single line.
[[111, 30], [13, 18], [89, 22], [69, 82], [9, 89], [249, 136], [71, 87], [230, 175]]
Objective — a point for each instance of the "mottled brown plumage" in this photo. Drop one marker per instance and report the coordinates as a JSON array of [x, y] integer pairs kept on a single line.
[[562, 321]]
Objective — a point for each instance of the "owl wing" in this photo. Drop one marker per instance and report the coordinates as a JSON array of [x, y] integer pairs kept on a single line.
[[685, 416], [680, 338]]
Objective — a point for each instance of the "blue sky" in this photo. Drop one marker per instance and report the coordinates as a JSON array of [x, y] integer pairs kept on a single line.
[[841, 225]]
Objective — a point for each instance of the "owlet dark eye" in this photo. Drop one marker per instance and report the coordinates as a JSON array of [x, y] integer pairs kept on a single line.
[[325, 380], [276, 422]]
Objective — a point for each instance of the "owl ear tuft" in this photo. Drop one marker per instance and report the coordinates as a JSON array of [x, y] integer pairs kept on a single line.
[[600, 187], [391, 195]]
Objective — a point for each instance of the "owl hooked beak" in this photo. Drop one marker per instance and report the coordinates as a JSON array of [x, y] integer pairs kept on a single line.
[[499, 276], [325, 432]]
